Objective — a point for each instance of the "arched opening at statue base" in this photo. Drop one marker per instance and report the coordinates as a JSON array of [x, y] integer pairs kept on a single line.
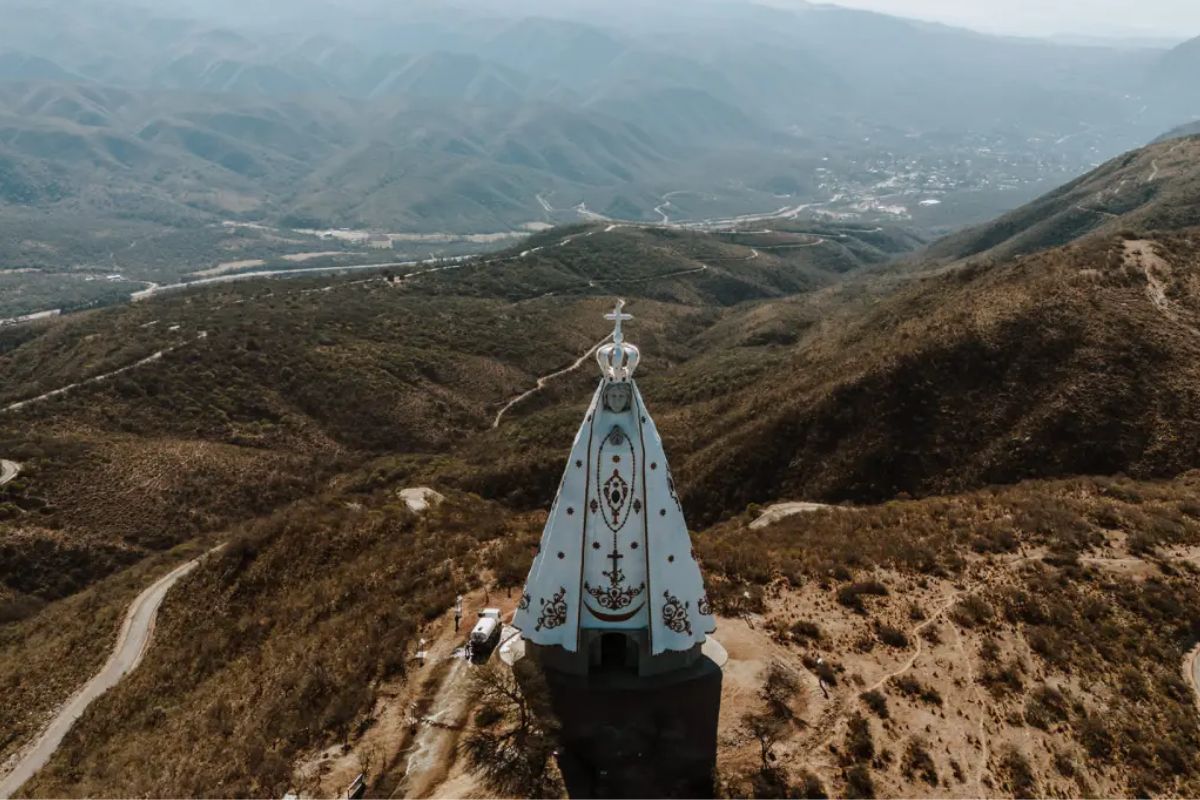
[[616, 652]]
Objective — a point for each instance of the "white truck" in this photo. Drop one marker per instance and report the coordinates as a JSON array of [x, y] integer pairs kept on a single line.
[[486, 633]]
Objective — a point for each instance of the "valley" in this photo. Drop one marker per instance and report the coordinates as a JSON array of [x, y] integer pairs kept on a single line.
[[199, 139]]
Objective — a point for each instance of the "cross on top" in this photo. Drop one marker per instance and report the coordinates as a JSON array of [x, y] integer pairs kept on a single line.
[[618, 317]]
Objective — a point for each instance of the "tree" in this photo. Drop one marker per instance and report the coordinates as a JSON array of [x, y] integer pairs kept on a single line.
[[515, 734], [779, 690]]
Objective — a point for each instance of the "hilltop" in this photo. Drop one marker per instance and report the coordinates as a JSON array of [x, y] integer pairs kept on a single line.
[[1011, 433]]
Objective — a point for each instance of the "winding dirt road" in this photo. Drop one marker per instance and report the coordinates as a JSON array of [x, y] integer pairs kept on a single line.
[[132, 643], [542, 381], [96, 379], [8, 470]]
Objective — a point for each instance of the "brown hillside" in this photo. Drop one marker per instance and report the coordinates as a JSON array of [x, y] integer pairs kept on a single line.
[[1154, 188], [1081, 360]]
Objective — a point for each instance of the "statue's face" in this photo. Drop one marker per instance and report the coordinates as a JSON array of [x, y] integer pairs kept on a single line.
[[617, 397]]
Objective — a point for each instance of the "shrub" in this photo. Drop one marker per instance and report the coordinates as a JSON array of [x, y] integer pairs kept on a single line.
[[971, 611], [859, 783], [1003, 678], [851, 594], [1018, 773], [877, 702], [911, 687], [918, 762], [860, 745], [1095, 736], [822, 669], [802, 629], [892, 637], [810, 787], [1044, 706]]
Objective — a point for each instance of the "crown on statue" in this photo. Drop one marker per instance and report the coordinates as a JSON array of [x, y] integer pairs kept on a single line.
[[618, 359]]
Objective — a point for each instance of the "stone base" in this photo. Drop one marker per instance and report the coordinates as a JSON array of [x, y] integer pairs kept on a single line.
[[629, 736]]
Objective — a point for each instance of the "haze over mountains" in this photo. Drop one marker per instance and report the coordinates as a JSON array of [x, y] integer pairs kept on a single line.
[[429, 117]]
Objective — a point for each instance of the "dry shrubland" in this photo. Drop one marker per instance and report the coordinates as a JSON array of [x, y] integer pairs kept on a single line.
[[276, 646], [1066, 637]]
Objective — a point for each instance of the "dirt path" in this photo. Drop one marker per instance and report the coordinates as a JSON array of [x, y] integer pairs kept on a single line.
[[431, 754], [1099, 211], [1141, 253], [132, 643], [915, 634], [8, 470], [1191, 668], [627, 281], [542, 381], [150, 359], [985, 747], [773, 513]]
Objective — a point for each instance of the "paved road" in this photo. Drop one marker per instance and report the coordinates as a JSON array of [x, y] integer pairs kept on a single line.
[[132, 643], [8, 470]]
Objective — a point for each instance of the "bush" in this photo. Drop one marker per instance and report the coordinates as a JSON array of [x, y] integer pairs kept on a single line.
[[802, 629], [851, 594], [917, 762], [860, 745], [876, 701], [822, 669], [859, 783], [1018, 773], [971, 611], [810, 787], [1095, 736], [1003, 678], [1045, 706], [911, 687], [892, 637]]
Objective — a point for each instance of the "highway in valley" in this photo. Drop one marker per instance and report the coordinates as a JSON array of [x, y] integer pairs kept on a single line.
[[132, 643]]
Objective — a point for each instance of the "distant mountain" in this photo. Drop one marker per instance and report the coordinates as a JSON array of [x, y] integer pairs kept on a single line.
[[1190, 129], [484, 118], [1175, 73]]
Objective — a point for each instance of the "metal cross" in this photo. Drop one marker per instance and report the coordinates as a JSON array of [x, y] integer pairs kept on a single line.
[[618, 317]]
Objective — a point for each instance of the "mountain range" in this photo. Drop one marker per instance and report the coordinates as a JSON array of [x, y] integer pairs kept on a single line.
[[481, 119]]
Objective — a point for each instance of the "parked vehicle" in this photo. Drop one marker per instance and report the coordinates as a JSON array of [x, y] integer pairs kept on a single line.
[[486, 633]]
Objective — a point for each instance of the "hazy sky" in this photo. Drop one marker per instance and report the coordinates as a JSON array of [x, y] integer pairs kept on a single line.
[[1176, 19]]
